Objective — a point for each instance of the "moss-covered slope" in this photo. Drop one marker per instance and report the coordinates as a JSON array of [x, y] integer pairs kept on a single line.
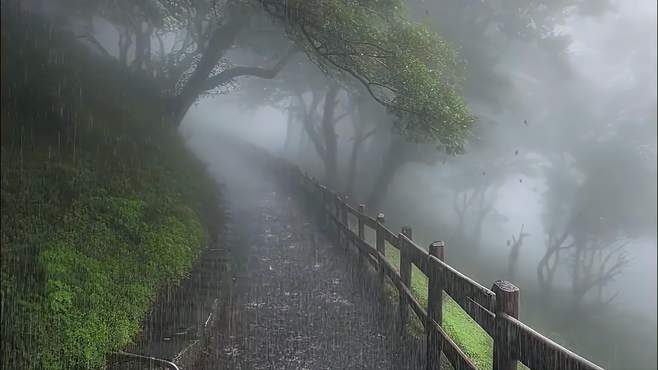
[[102, 205]]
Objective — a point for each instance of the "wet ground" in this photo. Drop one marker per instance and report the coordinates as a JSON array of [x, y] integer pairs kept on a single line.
[[298, 301]]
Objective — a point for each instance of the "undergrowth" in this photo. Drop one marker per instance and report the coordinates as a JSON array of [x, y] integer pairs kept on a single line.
[[102, 206]]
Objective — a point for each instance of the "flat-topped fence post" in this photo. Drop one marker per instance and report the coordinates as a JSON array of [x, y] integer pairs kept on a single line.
[[344, 220], [405, 275], [507, 302], [380, 244], [434, 305], [361, 232]]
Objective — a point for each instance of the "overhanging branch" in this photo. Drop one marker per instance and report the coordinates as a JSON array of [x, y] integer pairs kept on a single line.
[[365, 82], [229, 74]]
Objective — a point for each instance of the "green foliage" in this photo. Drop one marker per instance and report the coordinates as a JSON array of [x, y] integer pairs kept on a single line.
[[403, 65], [100, 278], [102, 206]]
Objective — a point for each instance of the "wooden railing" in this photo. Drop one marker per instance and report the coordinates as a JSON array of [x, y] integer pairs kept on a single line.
[[496, 310]]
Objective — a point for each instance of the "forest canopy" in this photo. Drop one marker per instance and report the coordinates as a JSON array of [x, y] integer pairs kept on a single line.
[[403, 65]]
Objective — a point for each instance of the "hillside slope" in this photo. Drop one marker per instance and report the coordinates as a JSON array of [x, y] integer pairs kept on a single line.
[[102, 206]]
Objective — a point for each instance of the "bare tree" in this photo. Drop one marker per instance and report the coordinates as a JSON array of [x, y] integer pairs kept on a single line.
[[515, 248]]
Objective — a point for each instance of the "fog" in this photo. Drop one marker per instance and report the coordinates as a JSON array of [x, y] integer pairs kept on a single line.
[[566, 138], [555, 189]]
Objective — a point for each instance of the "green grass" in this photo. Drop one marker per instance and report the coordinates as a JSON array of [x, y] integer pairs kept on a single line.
[[468, 335], [102, 206]]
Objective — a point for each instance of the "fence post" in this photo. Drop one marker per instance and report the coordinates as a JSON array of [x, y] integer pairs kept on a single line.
[[434, 306], [380, 244], [507, 301], [344, 220], [338, 214], [361, 232], [405, 275]]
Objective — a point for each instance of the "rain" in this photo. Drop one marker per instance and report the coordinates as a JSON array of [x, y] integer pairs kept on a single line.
[[329, 184]]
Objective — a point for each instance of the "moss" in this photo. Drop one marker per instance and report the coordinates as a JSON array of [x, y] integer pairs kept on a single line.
[[102, 206], [100, 281]]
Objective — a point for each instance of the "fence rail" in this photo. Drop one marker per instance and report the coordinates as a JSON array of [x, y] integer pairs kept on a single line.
[[495, 310]]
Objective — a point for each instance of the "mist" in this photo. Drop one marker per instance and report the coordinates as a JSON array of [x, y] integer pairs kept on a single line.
[[591, 99], [527, 140]]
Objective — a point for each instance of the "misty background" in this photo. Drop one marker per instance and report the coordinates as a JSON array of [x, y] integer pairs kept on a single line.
[[556, 190], [566, 139]]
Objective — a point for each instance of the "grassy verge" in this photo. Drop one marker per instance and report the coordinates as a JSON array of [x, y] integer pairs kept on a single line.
[[468, 335], [102, 206]]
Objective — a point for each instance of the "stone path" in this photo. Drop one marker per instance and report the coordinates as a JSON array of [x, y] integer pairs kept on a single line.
[[297, 301]]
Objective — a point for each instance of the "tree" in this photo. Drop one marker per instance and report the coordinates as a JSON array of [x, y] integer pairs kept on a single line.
[[475, 180], [515, 248], [597, 208], [363, 129], [486, 33], [403, 66], [313, 101], [323, 136], [398, 153]]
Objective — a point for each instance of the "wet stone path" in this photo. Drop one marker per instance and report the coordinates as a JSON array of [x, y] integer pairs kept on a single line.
[[297, 302]]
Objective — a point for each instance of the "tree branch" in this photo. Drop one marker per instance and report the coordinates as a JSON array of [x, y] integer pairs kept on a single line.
[[362, 138], [359, 78], [368, 134], [307, 122], [229, 74]]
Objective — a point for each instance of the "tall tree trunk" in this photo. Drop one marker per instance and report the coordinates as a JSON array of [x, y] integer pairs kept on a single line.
[[303, 143], [329, 136], [140, 46], [578, 277], [545, 271], [146, 55], [391, 163], [484, 208], [548, 264], [513, 258], [460, 205], [358, 122], [351, 171], [125, 40], [287, 144]]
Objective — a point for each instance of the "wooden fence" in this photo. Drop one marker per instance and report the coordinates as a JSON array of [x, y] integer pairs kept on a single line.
[[496, 310]]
